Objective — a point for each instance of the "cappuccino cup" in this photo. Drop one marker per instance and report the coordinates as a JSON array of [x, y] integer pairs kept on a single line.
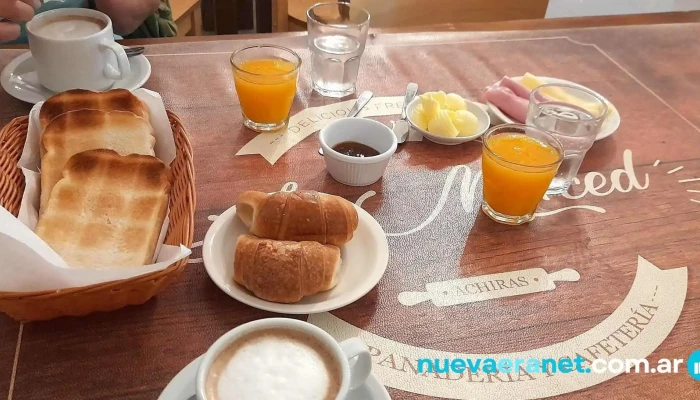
[[282, 359], [74, 48]]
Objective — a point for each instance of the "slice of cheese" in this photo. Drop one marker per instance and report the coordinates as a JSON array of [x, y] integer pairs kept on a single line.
[[531, 82]]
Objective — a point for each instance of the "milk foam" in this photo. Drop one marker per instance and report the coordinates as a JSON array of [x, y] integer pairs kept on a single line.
[[273, 367], [69, 28]]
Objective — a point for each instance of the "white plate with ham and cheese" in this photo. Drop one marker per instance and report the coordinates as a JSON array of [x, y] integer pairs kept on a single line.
[[529, 82]]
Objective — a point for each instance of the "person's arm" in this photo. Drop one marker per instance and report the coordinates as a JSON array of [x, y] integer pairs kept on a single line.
[[127, 15]]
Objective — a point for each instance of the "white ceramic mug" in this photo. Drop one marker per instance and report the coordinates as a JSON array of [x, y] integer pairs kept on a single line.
[[91, 62], [357, 171], [352, 349]]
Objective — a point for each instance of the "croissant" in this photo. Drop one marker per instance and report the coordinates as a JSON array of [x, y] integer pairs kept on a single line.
[[284, 272], [299, 216]]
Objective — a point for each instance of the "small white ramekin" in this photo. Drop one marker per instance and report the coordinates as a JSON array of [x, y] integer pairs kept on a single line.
[[357, 171]]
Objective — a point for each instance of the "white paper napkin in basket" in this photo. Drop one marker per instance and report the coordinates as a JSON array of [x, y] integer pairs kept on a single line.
[[28, 263]]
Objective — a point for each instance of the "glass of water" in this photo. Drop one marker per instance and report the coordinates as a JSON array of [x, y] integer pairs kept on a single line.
[[574, 115], [337, 36]]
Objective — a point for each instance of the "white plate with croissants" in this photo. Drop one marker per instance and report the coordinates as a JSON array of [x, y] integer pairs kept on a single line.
[[299, 252]]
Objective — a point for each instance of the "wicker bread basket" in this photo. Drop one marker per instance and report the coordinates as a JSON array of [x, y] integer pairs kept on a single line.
[[34, 306]]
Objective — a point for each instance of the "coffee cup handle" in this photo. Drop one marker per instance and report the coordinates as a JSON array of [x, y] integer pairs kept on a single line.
[[361, 369], [122, 62]]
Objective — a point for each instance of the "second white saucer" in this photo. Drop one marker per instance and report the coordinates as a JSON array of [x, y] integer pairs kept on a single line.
[[19, 78], [182, 387]]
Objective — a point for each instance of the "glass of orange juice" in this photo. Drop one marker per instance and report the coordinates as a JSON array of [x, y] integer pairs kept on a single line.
[[518, 164], [266, 82]]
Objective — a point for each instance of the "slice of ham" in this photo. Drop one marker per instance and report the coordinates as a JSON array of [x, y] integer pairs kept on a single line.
[[508, 102], [516, 87]]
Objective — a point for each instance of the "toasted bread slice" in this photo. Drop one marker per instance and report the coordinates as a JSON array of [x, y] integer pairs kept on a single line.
[[108, 209], [79, 99], [77, 131]]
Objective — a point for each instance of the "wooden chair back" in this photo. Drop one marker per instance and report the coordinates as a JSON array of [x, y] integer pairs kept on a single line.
[[290, 15]]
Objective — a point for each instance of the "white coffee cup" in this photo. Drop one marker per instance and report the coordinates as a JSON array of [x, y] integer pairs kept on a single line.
[[74, 58], [351, 377], [357, 171]]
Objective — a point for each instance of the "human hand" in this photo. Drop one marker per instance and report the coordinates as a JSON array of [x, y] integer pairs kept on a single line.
[[12, 12]]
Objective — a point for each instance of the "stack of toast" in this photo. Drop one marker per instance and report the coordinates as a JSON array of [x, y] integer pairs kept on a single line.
[[104, 194]]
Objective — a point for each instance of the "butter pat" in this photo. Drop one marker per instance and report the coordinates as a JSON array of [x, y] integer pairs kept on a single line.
[[466, 123], [442, 124], [430, 106], [440, 97], [455, 102], [419, 118]]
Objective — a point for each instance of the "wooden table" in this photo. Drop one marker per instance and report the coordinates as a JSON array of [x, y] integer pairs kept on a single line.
[[648, 72]]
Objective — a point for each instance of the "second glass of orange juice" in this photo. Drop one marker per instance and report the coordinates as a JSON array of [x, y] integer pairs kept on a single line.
[[266, 82], [518, 164]]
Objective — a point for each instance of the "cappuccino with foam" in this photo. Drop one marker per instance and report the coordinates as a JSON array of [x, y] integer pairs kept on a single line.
[[274, 364], [74, 48], [67, 27]]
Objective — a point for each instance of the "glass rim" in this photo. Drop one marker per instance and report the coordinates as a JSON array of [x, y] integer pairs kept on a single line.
[[583, 89], [297, 62], [330, 3], [523, 128]]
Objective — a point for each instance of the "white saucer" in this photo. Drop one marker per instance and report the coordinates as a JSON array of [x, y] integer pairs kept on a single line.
[[610, 125], [364, 260], [182, 387], [19, 78]]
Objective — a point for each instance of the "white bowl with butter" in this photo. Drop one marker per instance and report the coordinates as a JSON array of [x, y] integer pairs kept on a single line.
[[484, 121]]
